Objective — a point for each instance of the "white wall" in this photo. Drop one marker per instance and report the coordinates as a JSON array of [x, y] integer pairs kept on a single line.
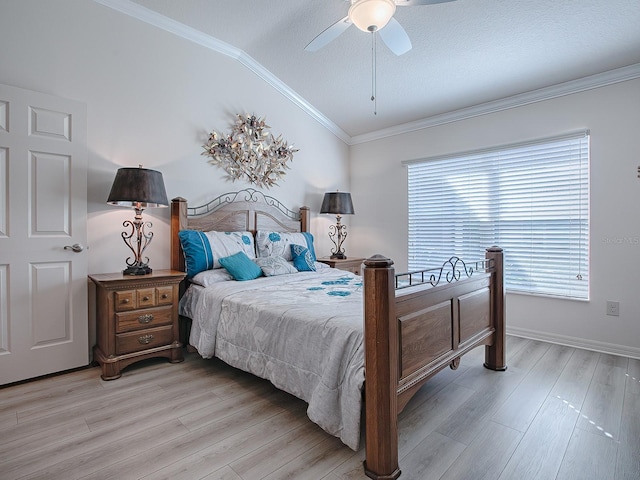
[[612, 114], [152, 98]]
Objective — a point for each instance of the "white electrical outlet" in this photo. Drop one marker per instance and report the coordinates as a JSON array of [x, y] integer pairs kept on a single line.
[[613, 308]]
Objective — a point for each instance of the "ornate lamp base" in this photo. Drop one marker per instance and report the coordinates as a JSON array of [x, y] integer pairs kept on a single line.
[[337, 234], [137, 270], [138, 266]]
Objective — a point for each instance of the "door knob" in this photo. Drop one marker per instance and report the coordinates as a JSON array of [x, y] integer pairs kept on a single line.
[[76, 247]]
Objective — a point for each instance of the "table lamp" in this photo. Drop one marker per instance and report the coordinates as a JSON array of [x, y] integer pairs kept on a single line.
[[137, 188], [338, 203]]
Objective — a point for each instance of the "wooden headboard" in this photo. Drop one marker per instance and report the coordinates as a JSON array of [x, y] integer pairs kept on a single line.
[[246, 210]]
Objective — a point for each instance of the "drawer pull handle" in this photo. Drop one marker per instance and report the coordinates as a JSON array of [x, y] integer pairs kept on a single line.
[[145, 339], [145, 298], [164, 295], [126, 300], [146, 318]]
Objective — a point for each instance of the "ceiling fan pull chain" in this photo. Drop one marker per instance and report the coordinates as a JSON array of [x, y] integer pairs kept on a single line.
[[373, 73]]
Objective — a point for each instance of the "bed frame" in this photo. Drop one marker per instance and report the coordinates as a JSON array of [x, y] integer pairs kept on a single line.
[[415, 324]]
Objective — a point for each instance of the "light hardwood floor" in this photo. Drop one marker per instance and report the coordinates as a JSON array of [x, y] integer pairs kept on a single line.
[[556, 413]]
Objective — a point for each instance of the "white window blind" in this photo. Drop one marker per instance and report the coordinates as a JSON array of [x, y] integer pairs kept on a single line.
[[530, 199]]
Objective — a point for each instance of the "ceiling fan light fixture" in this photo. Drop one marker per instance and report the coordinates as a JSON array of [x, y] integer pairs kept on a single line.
[[371, 15]]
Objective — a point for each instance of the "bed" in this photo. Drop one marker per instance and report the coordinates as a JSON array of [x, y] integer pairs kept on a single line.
[[368, 342]]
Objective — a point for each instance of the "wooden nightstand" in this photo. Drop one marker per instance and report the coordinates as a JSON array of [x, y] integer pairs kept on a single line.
[[136, 318], [351, 264]]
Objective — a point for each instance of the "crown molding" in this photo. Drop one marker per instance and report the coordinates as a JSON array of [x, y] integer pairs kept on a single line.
[[610, 77], [172, 26]]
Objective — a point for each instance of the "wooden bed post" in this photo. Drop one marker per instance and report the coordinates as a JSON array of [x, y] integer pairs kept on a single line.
[[305, 219], [495, 354], [381, 370], [178, 222]]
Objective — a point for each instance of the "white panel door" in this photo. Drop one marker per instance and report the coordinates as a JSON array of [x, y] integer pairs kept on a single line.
[[43, 209]]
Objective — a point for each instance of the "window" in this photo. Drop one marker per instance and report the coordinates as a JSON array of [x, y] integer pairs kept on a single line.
[[530, 199]]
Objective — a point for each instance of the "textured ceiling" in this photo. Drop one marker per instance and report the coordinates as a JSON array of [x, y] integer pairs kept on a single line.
[[465, 53]]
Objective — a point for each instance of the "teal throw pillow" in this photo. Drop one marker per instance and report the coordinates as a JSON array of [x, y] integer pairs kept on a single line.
[[302, 258], [241, 267], [197, 251]]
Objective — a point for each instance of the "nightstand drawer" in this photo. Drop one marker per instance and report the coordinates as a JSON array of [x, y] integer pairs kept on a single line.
[[150, 317], [164, 295], [143, 339], [126, 300], [146, 297]]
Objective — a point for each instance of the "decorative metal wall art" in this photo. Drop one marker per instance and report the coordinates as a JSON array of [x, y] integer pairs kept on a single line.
[[250, 151]]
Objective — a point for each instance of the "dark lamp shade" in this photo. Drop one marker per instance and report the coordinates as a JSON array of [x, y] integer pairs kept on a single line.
[[338, 203], [133, 186]]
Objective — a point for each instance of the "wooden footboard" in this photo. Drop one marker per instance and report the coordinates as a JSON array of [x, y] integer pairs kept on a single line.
[[412, 333]]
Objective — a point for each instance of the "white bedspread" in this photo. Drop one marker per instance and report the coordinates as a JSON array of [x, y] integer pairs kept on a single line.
[[303, 332]]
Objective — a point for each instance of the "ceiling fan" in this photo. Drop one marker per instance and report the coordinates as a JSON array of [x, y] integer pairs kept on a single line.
[[373, 16]]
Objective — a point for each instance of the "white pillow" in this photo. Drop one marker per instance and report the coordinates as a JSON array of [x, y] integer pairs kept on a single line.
[[275, 265], [225, 244], [270, 244], [209, 277]]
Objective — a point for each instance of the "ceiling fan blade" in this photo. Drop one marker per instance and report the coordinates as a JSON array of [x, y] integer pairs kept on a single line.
[[413, 3], [395, 37], [328, 35]]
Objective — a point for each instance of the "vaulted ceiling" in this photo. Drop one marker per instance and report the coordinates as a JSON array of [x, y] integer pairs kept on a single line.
[[465, 53]]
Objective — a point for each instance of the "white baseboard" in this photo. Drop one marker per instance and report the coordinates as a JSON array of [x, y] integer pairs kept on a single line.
[[584, 343]]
